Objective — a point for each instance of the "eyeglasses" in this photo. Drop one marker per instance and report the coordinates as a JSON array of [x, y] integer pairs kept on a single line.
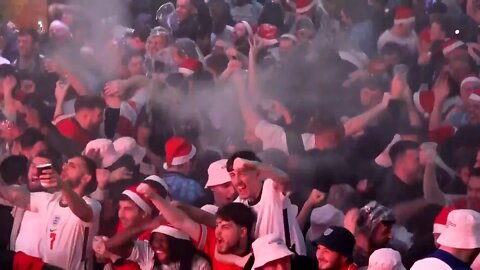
[[6, 124]]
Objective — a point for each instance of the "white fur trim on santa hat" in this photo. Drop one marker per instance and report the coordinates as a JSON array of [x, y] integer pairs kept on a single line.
[[404, 21], [469, 79], [182, 159], [185, 71], [452, 47], [248, 27], [158, 180], [138, 201], [305, 8], [167, 230], [418, 104], [289, 36]]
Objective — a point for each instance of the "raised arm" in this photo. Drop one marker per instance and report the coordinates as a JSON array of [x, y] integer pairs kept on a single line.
[[249, 114], [358, 123], [441, 90], [121, 243], [172, 215], [315, 199], [197, 214]]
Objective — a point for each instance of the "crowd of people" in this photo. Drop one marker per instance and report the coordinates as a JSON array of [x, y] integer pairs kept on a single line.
[[242, 134]]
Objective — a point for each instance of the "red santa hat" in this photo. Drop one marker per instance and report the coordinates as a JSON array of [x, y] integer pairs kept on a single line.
[[178, 151], [450, 44], [440, 223], [404, 15], [440, 135], [145, 204], [304, 5], [171, 231], [189, 66], [424, 101], [249, 28], [268, 33]]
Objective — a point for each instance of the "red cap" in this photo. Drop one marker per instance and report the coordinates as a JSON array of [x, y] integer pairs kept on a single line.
[[404, 15], [178, 151], [440, 223], [450, 44], [190, 66], [268, 33], [304, 5]]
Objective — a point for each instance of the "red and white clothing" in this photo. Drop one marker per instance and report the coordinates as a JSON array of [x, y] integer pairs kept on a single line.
[[144, 256], [68, 126], [274, 137], [411, 42], [207, 242], [270, 210], [67, 240]]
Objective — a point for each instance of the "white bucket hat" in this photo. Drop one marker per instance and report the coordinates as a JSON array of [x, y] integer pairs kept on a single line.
[[128, 146], [322, 218], [217, 173], [385, 259], [269, 248], [463, 230], [106, 150]]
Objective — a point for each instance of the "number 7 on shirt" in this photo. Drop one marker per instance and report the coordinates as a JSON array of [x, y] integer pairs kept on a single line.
[[53, 236]]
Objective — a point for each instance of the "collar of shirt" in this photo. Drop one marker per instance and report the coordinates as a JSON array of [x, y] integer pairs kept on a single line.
[[451, 260]]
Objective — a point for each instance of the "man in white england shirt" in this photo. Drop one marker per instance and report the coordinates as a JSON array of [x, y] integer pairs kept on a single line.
[[70, 217], [264, 188]]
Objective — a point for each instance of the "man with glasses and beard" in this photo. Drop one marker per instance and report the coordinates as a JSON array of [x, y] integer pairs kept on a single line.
[[70, 218]]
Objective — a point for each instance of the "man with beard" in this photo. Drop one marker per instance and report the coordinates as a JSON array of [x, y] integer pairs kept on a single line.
[[402, 183], [228, 244], [459, 243], [84, 125], [335, 249], [70, 217], [373, 231]]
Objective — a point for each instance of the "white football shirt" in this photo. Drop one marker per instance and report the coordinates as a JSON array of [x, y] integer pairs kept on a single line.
[[67, 240]]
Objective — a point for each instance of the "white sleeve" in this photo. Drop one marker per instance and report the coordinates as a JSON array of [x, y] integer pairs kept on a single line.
[[271, 135], [142, 254], [39, 201]]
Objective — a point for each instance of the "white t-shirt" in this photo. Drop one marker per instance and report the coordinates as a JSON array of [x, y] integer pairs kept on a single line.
[[411, 41], [274, 137], [270, 210], [67, 240], [143, 255], [29, 238]]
